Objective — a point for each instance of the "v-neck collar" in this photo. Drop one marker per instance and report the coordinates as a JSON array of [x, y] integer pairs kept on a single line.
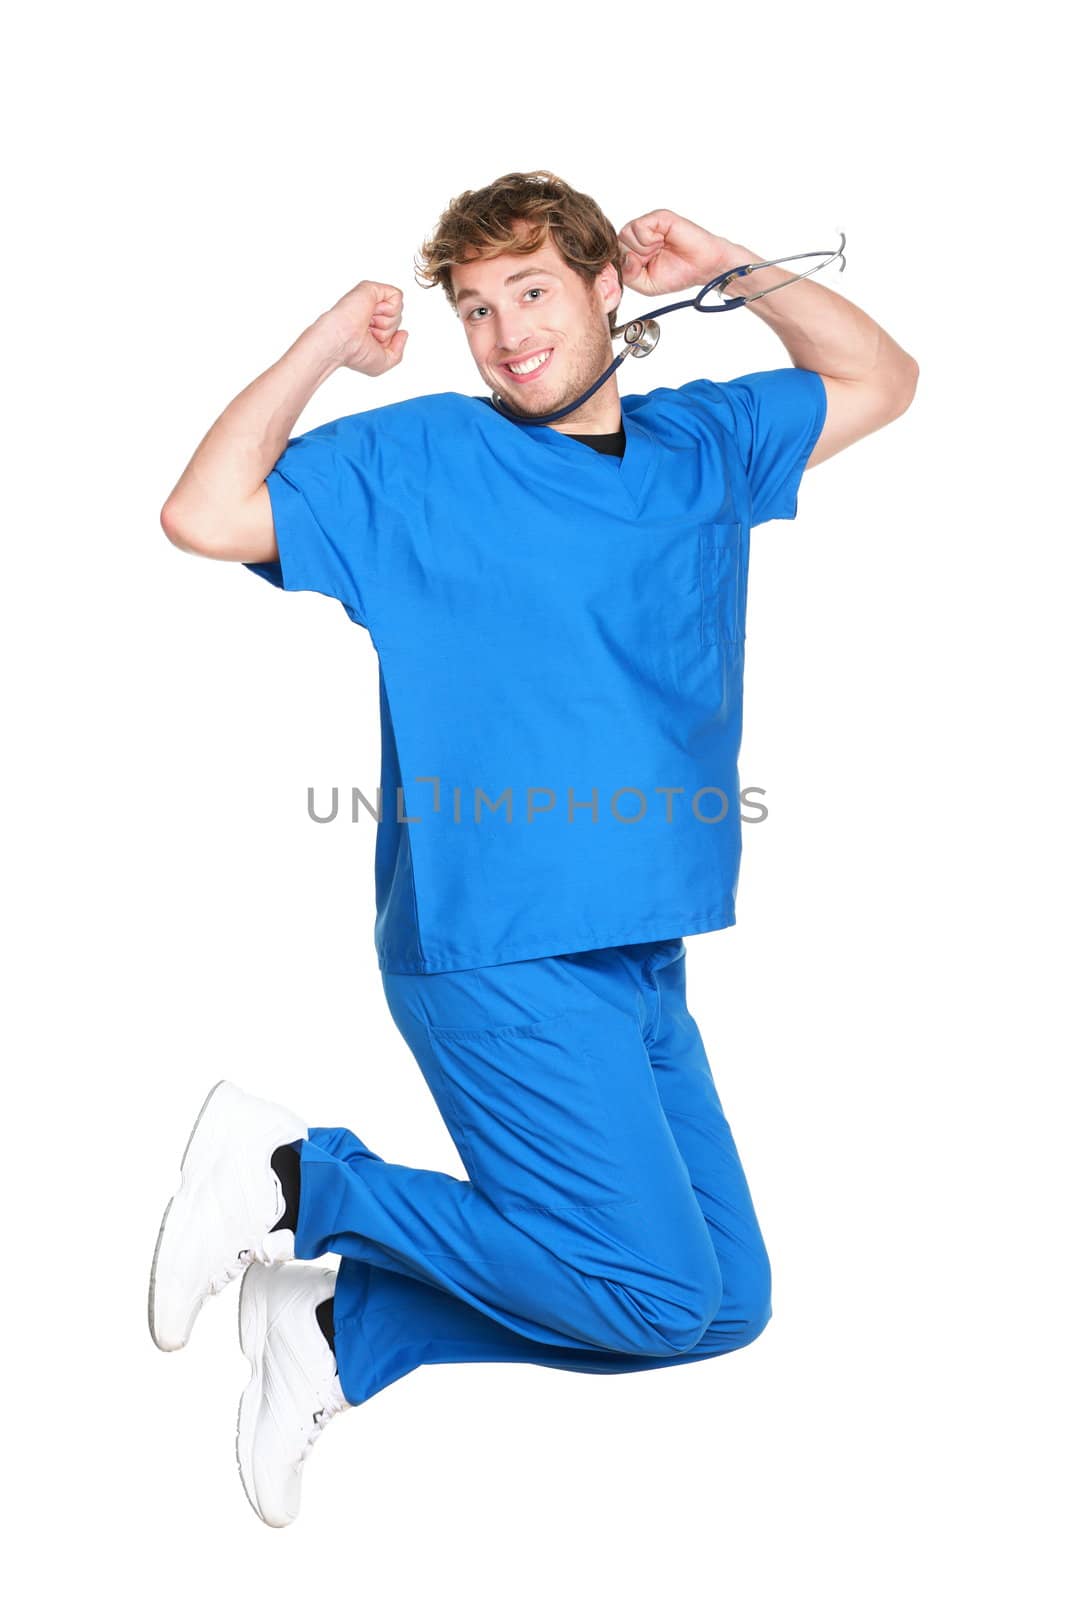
[[629, 472]]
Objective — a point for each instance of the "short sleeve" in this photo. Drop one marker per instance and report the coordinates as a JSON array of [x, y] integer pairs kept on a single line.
[[325, 491], [776, 418]]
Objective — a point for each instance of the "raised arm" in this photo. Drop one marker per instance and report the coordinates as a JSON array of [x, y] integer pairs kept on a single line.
[[220, 505], [869, 379]]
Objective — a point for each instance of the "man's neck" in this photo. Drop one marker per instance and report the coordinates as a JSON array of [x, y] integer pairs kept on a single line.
[[602, 413]]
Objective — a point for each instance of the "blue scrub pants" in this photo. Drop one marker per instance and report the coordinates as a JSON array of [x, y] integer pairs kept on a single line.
[[606, 1223]]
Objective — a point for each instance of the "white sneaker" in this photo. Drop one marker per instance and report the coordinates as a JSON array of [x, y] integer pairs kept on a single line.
[[221, 1215], [294, 1389]]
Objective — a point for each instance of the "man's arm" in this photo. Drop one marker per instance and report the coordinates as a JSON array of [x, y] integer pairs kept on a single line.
[[869, 379], [220, 505]]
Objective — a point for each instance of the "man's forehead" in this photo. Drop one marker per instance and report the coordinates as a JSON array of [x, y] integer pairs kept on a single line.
[[472, 276]]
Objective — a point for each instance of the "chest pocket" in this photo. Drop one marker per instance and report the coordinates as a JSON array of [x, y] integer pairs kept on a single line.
[[722, 583]]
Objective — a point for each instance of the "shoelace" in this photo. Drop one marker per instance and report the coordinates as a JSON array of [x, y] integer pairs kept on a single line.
[[231, 1271], [245, 1257], [334, 1404]]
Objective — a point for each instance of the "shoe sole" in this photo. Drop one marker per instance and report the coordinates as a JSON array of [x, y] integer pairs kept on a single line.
[[167, 1349], [251, 1334]]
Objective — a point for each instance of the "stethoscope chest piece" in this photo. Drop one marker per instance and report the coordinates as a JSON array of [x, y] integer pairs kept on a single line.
[[642, 336]]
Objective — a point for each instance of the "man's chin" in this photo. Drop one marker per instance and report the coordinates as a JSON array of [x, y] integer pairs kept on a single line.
[[532, 408], [521, 399]]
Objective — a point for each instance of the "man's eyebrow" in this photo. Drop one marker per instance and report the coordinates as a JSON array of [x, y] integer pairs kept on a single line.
[[527, 272]]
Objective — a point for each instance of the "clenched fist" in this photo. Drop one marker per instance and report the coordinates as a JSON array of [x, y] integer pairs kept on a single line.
[[366, 325], [665, 252]]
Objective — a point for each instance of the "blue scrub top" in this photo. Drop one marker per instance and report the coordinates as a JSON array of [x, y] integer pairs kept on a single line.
[[561, 638]]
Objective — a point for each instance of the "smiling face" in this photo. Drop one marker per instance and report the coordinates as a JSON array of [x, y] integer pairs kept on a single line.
[[538, 314]]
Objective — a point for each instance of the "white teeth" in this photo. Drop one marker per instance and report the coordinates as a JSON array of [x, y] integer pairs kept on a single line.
[[528, 366]]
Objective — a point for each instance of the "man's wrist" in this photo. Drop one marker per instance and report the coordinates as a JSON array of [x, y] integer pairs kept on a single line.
[[323, 347], [730, 258], [724, 256]]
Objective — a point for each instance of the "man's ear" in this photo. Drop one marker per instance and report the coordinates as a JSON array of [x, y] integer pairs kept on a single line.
[[609, 286]]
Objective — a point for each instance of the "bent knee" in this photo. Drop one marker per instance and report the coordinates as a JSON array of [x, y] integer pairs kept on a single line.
[[677, 1320], [752, 1303], [755, 1296]]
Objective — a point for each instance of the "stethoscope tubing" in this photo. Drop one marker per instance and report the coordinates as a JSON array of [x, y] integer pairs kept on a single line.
[[642, 334]]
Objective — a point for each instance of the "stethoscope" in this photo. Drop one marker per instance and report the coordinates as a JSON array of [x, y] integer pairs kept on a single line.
[[642, 334]]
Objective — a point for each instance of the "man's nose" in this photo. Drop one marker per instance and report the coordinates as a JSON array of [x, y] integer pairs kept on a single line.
[[513, 336]]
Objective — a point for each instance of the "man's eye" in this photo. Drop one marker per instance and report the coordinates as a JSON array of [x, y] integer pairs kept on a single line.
[[474, 317]]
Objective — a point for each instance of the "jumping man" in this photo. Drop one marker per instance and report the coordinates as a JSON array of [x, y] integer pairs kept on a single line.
[[558, 612]]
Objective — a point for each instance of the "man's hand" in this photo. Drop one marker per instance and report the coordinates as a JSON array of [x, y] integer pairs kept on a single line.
[[666, 252], [365, 323]]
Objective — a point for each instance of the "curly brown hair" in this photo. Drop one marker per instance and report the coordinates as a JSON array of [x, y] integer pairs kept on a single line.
[[481, 224]]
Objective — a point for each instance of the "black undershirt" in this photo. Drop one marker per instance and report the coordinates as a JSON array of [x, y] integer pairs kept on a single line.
[[609, 444]]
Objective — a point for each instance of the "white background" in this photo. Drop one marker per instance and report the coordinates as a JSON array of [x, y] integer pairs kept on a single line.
[[188, 191]]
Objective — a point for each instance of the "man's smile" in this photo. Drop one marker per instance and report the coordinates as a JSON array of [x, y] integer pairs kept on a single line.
[[530, 366]]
